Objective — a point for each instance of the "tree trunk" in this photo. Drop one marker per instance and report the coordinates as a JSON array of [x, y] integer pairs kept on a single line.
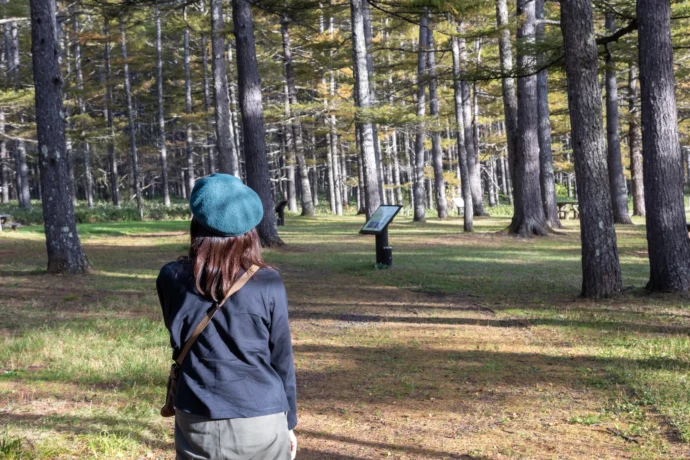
[[473, 166], [601, 275], [419, 198], [546, 175], [88, 179], [297, 141], [112, 155], [290, 155], [225, 144], [132, 129], [161, 111], [189, 139], [396, 170], [635, 144], [253, 128], [619, 191], [207, 99], [529, 216], [507, 86], [4, 173], [460, 136], [65, 254], [667, 235], [369, 169], [436, 152]]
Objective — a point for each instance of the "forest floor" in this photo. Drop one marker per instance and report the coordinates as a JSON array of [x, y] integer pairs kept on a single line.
[[470, 347]]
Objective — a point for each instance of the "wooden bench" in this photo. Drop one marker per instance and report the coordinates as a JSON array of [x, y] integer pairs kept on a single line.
[[566, 207], [5, 222]]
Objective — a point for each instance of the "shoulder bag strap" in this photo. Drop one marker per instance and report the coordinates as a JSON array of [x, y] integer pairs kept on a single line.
[[209, 316]]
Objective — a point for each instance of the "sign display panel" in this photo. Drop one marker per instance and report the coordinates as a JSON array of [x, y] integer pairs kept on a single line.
[[380, 219]]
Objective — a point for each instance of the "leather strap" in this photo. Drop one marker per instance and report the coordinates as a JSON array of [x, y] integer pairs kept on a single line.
[[209, 316]]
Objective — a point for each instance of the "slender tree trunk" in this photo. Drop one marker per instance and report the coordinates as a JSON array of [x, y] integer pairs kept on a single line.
[[290, 155], [507, 87], [132, 128], [254, 132], [546, 174], [473, 166], [65, 254], [667, 235], [14, 76], [4, 173], [368, 40], [337, 178], [619, 191], [207, 100], [635, 144], [529, 217], [396, 170], [189, 139], [601, 275], [369, 169], [225, 144], [460, 136], [112, 155], [161, 111], [419, 198], [88, 179], [436, 152], [297, 141]]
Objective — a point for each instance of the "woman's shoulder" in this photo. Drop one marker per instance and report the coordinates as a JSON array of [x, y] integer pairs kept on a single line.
[[173, 270]]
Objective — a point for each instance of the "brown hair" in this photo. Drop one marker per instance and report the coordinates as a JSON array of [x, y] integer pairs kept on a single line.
[[219, 260]]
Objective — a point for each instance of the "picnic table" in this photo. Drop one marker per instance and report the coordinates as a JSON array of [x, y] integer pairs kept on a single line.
[[566, 207], [5, 222]]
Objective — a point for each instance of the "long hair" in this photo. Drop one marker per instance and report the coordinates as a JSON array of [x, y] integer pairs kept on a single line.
[[219, 260]]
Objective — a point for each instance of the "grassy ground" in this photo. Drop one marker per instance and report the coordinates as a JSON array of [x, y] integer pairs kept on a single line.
[[472, 346]]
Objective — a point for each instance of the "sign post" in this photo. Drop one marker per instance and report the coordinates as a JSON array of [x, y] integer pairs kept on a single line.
[[378, 225]]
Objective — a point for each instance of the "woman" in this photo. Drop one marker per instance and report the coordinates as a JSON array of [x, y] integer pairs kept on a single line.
[[236, 393]]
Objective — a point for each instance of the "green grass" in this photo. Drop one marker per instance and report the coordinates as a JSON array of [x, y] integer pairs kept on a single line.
[[85, 358]]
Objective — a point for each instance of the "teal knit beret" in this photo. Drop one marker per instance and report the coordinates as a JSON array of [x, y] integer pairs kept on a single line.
[[222, 204]]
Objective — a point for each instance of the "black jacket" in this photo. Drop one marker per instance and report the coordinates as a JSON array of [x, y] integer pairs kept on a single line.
[[242, 364]]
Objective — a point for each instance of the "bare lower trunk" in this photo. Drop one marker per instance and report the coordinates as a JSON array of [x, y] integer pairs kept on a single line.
[[132, 129], [436, 152], [667, 236], [297, 141], [529, 217], [254, 131], [601, 275], [635, 144], [65, 254], [225, 143], [460, 136], [112, 155], [189, 139], [161, 112], [207, 99], [619, 191], [546, 175], [369, 170], [4, 172], [419, 198]]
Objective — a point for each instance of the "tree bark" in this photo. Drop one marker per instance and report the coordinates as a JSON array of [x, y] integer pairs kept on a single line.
[[161, 111], [546, 174], [297, 141], [88, 179], [189, 139], [460, 136], [667, 236], [132, 129], [529, 216], [225, 144], [619, 190], [4, 173], [635, 144], [207, 98], [253, 127], [601, 275], [473, 166], [419, 198], [112, 155], [507, 85], [65, 254], [369, 170], [436, 152]]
